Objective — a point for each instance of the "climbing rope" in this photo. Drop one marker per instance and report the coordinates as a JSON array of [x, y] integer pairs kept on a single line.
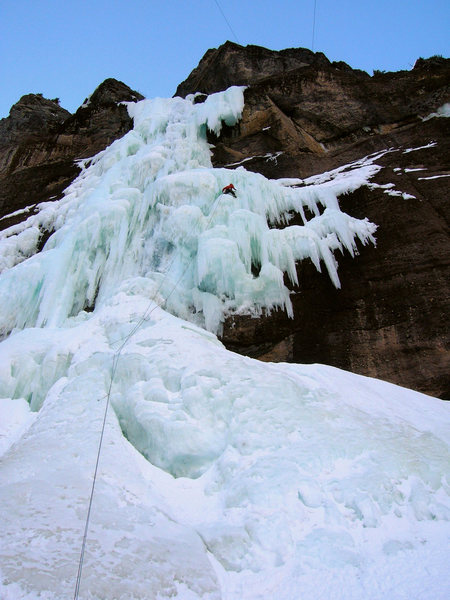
[[314, 26], [146, 314], [227, 22], [88, 517]]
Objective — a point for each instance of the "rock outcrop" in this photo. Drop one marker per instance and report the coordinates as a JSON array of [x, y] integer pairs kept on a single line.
[[303, 115], [232, 64], [40, 143], [311, 113]]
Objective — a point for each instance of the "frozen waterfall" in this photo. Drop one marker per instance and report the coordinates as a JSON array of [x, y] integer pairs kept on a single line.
[[151, 206], [221, 477]]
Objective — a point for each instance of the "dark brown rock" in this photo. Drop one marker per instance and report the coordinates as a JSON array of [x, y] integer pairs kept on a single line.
[[312, 115], [40, 143], [232, 64]]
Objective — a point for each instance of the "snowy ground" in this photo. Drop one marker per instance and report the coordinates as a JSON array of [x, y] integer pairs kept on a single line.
[[220, 477]]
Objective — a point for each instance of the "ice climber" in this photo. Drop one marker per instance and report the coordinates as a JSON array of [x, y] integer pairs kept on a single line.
[[229, 189]]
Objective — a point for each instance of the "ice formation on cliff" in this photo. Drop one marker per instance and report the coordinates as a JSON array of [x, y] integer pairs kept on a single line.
[[150, 206], [220, 477]]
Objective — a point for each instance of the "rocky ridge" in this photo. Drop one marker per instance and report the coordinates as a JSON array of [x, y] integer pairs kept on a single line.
[[303, 115], [40, 144]]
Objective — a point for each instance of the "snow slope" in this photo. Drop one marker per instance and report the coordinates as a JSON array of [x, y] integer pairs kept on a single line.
[[220, 477]]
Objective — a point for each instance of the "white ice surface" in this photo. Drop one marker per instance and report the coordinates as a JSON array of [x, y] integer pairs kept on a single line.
[[442, 111], [18, 212], [430, 145], [268, 157], [434, 177], [220, 477]]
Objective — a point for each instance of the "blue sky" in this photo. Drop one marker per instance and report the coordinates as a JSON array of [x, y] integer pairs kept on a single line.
[[65, 48]]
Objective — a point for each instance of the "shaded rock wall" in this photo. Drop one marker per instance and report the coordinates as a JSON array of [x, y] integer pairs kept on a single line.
[[232, 64], [389, 319], [40, 143]]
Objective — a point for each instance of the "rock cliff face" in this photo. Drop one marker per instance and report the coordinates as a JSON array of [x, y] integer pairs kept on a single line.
[[40, 143], [232, 64], [303, 115], [312, 113]]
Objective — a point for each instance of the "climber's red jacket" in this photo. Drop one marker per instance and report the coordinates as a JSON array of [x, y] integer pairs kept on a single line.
[[228, 188]]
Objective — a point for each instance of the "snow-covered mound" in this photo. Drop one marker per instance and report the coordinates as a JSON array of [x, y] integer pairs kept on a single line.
[[220, 477]]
